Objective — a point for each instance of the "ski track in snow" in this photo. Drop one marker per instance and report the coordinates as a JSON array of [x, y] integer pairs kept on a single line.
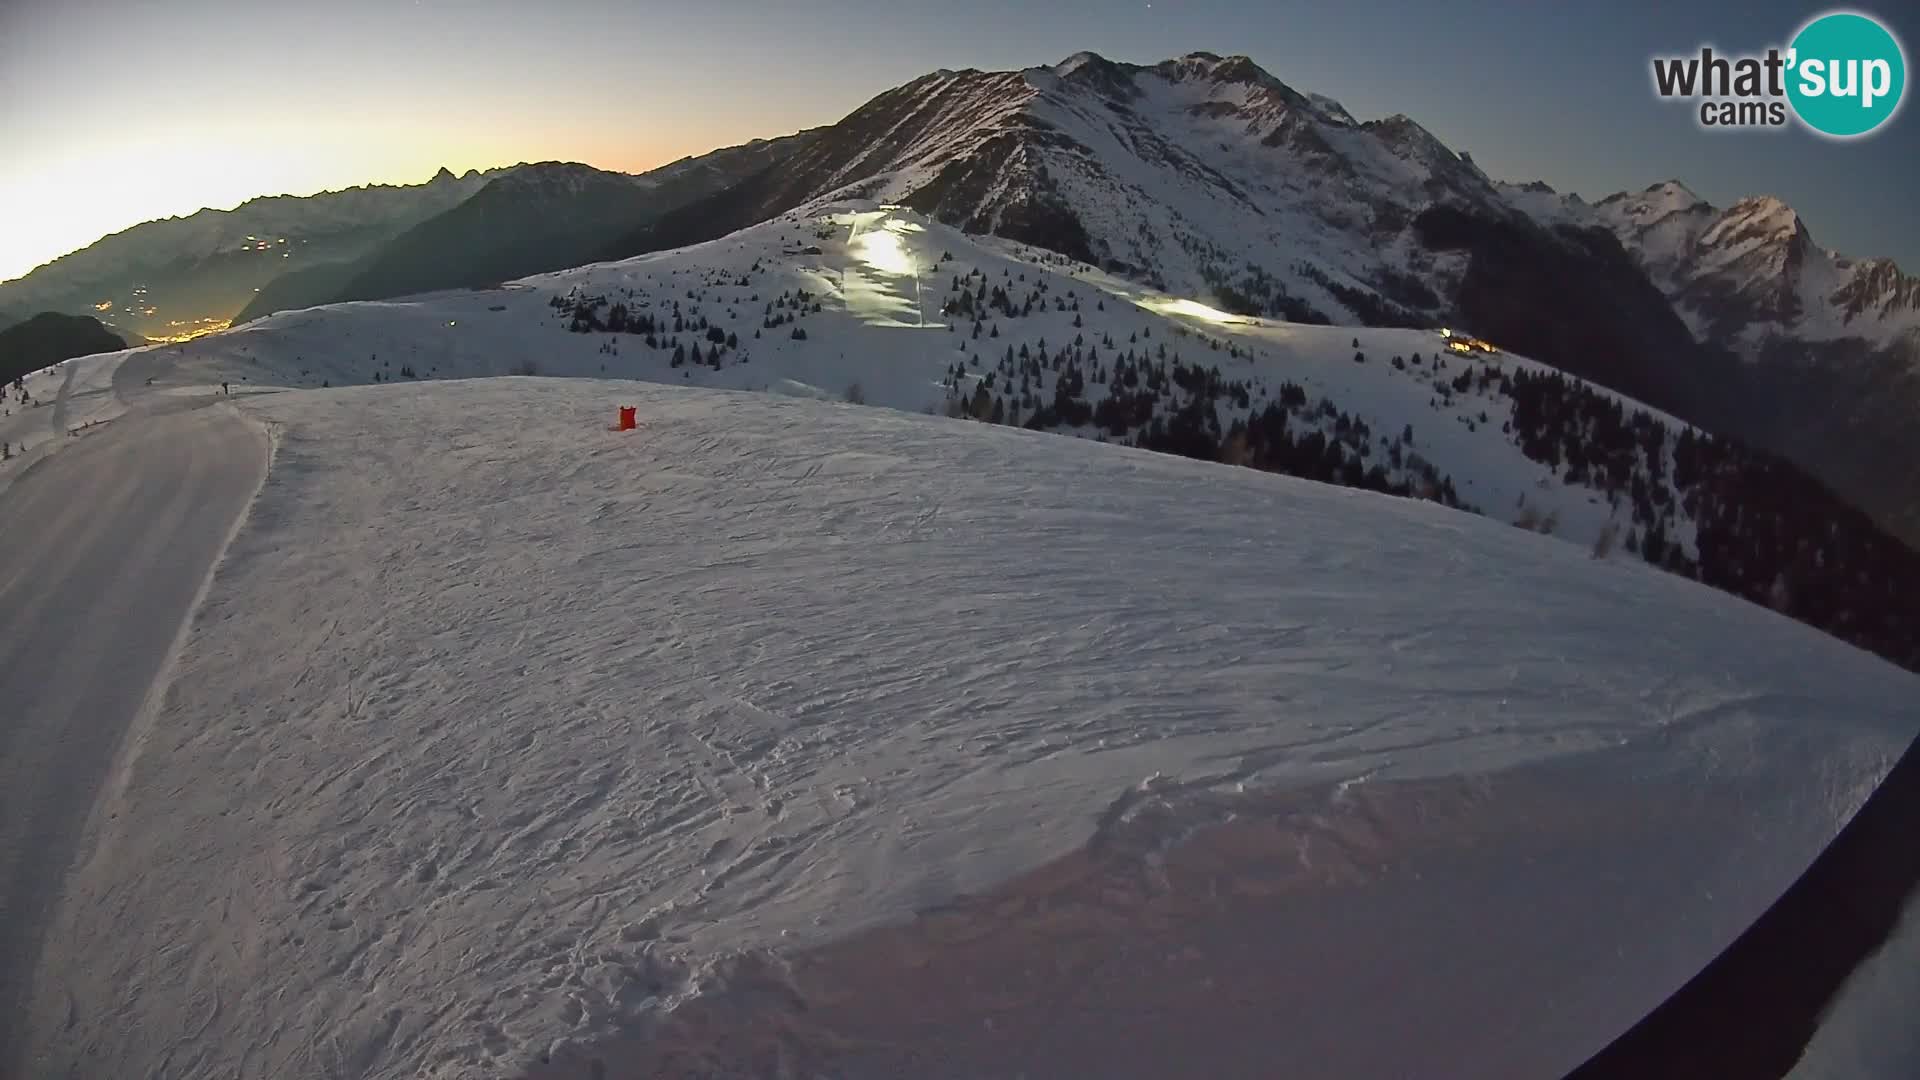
[[501, 734], [77, 657], [72, 397]]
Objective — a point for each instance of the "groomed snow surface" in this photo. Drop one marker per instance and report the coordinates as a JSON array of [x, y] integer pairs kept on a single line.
[[792, 735]]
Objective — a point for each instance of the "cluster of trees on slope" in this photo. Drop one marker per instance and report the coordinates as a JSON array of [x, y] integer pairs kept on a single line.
[[1761, 528], [1576, 299], [685, 331], [1706, 508], [1139, 393], [1764, 529]]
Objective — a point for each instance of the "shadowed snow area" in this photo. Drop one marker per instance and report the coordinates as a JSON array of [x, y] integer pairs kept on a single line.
[[1869, 1029], [790, 734]]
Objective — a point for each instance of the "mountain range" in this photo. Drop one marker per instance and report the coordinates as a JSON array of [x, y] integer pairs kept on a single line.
[[531, 219], [172, 277], [1209, 176], [1826, 348], [1203, 176]]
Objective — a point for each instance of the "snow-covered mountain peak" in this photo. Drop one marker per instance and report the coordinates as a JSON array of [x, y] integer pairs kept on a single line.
[[1332, 110], [1656, 207], [1202, 174], [1239, 79], [1877, 289], [1403, 134], [1211, 84], [1745, 275], [561, 177], [1215, 68], [1087, 71], [1762, 220], [1761, 225], [1666, 196], [1078, 61]]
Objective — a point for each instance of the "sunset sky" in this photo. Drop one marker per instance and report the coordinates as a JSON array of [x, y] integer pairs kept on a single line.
[[114, 112]]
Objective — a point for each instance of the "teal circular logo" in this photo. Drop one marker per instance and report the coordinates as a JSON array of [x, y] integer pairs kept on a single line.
[[1847, 74]]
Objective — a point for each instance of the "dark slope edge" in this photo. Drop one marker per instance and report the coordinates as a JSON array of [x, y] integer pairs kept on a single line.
[[1751, 1012], [49, 338]]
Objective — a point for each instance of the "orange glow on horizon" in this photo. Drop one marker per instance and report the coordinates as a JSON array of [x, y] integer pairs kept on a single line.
[[101, 190]]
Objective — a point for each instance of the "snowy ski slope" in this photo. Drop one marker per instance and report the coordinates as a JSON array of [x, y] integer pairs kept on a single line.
[[879, 277], [504, 738]]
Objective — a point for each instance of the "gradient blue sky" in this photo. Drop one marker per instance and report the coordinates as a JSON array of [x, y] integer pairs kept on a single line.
[[115, 111]]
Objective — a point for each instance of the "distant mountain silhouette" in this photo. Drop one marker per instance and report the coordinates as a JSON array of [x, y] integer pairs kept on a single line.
[[162, 278], [306, 287], [49, 338], [541, 217], [544, 217]]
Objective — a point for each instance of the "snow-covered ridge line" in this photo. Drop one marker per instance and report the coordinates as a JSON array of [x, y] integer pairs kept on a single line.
[[887, 306]]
